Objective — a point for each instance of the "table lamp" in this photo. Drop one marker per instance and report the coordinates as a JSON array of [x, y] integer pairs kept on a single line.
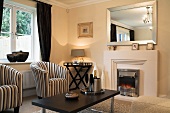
[[78, 53]]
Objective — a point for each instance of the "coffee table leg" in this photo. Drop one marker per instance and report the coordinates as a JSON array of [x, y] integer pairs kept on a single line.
[[112, 105], [43, 110]]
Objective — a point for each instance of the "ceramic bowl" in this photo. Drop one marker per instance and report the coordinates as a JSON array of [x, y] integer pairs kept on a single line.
[[11, 57]]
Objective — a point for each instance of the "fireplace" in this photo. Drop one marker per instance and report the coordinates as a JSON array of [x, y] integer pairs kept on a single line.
[[128, 82], [144, 60]]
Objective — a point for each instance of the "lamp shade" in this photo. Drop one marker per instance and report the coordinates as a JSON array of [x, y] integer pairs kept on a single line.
[[77, 52]]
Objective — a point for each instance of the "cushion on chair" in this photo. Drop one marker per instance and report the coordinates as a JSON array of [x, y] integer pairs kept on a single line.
[[57, 86], [8, 97]]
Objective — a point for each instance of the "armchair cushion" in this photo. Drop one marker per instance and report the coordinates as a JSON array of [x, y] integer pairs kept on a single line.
[[57, 85], [9, 97]]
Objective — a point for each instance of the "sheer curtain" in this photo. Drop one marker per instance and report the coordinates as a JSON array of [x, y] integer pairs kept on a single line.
[[44, 29], [1, 12]]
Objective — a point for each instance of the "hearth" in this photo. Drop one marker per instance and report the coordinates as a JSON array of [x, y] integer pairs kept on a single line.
[[128, 82]]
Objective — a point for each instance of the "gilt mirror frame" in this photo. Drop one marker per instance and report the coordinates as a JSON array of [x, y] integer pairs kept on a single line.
[[154, 23]]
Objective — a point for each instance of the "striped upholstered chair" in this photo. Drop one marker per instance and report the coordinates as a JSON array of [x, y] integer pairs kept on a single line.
[[10, 88], [50, 79]]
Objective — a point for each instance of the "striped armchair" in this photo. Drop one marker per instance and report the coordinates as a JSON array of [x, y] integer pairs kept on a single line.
[[10, 88], [50, 79]]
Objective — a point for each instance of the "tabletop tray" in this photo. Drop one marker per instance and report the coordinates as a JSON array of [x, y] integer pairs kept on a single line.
[[85, 91]]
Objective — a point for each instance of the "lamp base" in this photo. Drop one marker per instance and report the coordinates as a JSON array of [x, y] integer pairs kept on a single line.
[[75, 62]]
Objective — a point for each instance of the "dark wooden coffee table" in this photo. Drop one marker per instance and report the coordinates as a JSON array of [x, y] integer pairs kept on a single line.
[[60, 104]]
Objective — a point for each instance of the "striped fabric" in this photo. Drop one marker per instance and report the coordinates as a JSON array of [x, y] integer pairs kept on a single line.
[[10, 88], [50, 78]]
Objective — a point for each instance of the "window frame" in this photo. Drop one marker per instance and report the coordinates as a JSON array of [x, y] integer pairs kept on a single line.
[[14, 8]]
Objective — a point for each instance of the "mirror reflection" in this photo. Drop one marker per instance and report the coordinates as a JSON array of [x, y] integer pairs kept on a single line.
[[133, 24]]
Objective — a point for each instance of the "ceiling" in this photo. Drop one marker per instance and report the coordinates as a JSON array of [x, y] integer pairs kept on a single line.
[[73, 3], [70, 2]]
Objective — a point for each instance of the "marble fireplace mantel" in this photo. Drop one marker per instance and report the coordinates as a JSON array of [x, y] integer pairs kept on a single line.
[[144, 60]]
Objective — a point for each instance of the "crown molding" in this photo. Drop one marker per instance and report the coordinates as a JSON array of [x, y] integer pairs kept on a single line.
[[55, 3], [58, 4], [88, 2]]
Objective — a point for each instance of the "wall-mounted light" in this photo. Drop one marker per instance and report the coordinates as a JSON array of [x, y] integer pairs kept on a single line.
[[151, 28]]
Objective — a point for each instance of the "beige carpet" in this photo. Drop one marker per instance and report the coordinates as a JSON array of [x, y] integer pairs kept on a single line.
[[104, 107]]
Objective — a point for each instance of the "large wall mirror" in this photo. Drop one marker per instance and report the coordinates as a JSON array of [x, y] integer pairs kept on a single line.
[[135, 23]]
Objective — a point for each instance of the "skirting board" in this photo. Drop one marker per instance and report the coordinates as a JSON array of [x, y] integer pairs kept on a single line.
[[163, 96], [29, 92]]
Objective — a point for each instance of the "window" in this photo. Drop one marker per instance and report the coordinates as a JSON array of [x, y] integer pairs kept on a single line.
[[122, 34], [16, 30]]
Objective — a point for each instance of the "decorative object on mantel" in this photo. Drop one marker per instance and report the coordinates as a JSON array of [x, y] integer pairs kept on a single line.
[[111, 47], [114, 47], [18, 56], [85, 30], [149, 46], [135, 46]]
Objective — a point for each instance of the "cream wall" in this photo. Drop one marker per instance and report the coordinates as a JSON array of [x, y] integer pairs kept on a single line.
[[95, 46], [143, 33], [59, 47]]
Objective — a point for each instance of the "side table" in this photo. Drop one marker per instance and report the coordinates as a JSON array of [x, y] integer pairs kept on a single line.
[[78, 68]]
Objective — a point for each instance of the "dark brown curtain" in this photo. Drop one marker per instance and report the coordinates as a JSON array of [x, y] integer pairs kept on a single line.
[[1, 12], [132, 35], [44, 29], [113, 33]]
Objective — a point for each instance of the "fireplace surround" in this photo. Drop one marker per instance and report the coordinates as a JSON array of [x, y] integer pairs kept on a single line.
[[144, 60]]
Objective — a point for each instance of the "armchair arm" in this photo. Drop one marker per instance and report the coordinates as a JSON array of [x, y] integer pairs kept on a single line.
[[66, 74], [10, 76], [41, 78]]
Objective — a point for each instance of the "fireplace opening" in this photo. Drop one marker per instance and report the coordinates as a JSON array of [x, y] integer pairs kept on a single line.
[[128, 82]]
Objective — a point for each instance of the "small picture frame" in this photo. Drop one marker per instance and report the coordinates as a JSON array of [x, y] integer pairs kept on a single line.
[[85, 30], [149, 46], [135, 46]]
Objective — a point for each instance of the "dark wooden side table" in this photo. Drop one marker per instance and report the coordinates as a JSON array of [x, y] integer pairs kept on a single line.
[[78, 68]]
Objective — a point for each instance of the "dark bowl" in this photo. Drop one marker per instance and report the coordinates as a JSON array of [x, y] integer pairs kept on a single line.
[[21, 56], [11, 57]]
